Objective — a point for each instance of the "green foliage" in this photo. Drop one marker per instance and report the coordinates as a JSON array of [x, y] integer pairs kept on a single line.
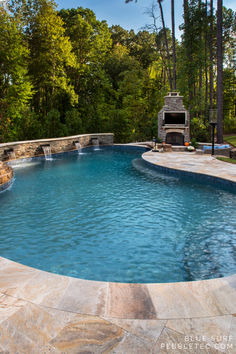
[[229, 100], [194, 143], [51, 54], [199, 130], [231, 139], [52, 124], [66, 73], [73, 122], [15, 86], [29, 126], [226, 159]]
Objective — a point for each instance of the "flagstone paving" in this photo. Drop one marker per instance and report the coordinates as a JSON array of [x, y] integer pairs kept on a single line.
[[43, 312], [192, 162]]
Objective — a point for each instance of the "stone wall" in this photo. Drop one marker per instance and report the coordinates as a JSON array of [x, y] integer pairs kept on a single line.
[[6, 174], [23, 149], [218, 152], [233, 154]]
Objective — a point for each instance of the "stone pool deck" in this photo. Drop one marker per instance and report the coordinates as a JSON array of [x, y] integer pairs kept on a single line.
[[191, 162], [42, 312]]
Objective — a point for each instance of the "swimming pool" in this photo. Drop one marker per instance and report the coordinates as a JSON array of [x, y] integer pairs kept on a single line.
[[105, 215]]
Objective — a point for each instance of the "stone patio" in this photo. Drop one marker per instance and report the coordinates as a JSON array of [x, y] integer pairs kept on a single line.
[[42, 312], [191, 162]]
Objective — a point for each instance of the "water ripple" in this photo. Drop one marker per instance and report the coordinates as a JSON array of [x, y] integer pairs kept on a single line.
[[105, 215]]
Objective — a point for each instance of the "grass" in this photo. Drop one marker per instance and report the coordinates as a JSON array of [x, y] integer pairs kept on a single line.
[[230, 139], [226, 159]]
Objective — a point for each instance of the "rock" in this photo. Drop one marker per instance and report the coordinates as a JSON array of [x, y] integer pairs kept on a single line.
[[6, 173]]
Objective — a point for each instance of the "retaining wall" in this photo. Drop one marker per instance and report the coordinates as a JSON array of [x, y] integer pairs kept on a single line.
[[31, 148]]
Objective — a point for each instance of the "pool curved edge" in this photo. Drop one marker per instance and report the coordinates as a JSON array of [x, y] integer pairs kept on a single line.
[[154, 301], [129, 317], [202, 169], [6, 185], [6, 176]]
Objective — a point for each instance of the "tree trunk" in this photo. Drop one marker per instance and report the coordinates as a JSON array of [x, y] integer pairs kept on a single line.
[[166, 44], [200, 60], [173, 42], [211, 54], [206, 67], [188, 56], [219, 74], [164, 66]]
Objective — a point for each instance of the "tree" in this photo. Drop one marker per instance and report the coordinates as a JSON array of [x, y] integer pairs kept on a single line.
[[51, 54], [219, 74], [166, 41], [91, 44], [119, 36], [15, 86], [211, 52], [173, 42], [50, 58]]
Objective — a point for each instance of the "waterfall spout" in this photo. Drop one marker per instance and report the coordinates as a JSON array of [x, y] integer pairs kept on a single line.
[[78, 146], [10, 153], [95, 143], [47, 152]]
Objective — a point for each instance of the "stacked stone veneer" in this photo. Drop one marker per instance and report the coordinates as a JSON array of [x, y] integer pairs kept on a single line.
[[6, 174], [24, 149], [173, 103], [233, 154]]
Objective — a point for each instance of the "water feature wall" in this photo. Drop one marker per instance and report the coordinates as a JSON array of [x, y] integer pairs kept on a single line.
[[23, 149]]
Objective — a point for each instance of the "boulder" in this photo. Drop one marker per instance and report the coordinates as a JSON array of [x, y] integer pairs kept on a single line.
[[6, 173]]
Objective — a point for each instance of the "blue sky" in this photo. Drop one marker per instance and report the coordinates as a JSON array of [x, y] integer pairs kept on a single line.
[[131, 15]]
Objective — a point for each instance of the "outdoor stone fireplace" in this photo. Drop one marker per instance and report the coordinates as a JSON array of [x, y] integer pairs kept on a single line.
[[173, 120]]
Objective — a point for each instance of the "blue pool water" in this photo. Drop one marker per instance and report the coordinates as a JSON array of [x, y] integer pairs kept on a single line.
[[104, 215]]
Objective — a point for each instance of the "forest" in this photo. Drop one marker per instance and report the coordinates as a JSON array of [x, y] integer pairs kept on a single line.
[[66, 73]]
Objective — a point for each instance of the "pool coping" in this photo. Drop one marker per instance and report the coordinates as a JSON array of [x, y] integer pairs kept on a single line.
[[6, 185], [163, 163], [145, 315]]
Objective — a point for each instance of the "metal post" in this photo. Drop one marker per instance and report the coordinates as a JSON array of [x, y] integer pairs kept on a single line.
[[213, 123], [213, 139]]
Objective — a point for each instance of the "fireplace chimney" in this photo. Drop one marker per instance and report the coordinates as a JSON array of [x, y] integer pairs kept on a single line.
[[174, 121]]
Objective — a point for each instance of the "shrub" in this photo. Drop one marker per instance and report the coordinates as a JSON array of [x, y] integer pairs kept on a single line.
[[199, 131]]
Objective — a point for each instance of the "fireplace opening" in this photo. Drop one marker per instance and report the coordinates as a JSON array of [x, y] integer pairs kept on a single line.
[[174, 118], [175, 138]]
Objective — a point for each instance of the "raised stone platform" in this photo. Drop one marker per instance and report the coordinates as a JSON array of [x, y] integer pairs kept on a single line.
[[31, 148], [194, 165]]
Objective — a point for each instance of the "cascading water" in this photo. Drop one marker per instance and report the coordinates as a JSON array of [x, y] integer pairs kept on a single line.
[[95, 143], [78, 147], [47, 152]]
